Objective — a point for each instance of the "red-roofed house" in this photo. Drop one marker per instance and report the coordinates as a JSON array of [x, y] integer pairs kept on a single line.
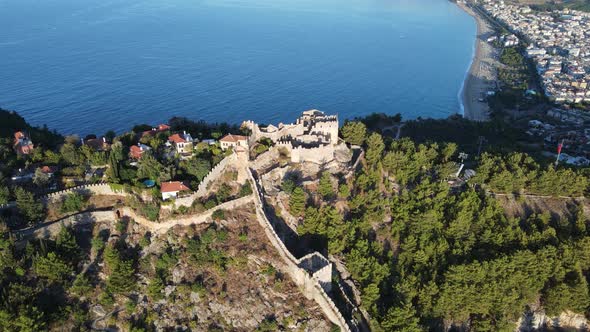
[[163, 127], [182, 142], [160, 128], [49, 170], [22, 143], [232, 141], [97, 144], [171, 189], [136, 151]]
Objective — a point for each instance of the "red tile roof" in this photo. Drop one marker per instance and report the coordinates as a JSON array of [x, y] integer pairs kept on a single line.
[[163, 127], [176, 139], [135, 151], [18, 135], [173, 186], [25, 149], [48, 169], [233, 138]]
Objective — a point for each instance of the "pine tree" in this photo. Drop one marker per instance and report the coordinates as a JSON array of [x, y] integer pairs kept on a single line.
[[52, 267], [325, 187], [375, 147], [354, 132], [122, 279], [4, 194], [28, 206], [401, 318], [66, 245], [297, 202]]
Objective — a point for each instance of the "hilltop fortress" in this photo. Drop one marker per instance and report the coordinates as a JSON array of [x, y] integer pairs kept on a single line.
[[313, 137]]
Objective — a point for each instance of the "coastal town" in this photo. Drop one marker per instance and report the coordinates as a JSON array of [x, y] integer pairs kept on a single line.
[[554, 90], [321, 223], [557, 41]]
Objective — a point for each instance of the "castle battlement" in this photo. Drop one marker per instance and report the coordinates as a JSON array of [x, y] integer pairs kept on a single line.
[[311, 138]]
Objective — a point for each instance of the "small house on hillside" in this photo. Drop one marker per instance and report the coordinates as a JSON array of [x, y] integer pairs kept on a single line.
[[183, 143], [171, 189], [233, 141], [136, 151], [48, 170], [22, 143], [160, 128], [97, 144]]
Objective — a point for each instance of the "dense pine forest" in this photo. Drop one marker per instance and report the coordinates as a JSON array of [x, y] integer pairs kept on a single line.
[[428, 255], [428, 250]]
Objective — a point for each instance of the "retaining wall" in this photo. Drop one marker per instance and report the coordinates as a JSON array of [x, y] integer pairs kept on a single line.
[[52, 229], [311, 287], [205, 217]]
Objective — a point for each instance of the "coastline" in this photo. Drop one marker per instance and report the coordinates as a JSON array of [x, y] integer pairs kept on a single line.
[[480, 76]]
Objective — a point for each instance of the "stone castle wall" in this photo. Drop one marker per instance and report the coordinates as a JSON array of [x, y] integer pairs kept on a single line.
[[319, 267], [216, 172], [291, 129], [310, 285], [201, 218], [93, 189], [318, 155]]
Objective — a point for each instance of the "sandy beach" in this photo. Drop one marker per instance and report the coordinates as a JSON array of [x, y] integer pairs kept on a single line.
[[481, 76]]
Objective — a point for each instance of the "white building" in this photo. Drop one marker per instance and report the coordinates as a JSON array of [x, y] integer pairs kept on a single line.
[[171, 189], [233, 141]]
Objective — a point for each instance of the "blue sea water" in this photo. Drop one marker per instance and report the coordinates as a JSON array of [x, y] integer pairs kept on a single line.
[[87, 66]]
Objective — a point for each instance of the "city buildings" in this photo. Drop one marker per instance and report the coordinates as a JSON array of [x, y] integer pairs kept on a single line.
[[558, 42]]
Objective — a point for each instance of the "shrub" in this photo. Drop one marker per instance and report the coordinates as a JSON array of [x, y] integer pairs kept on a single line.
[[73, 202], [144, 241], [288, 186], [210, 204], [121, 226], [97, 243], [246, 189], [155, 289], [151, 211], [268, 270], [218, 215], [81, 285], [267, 325]]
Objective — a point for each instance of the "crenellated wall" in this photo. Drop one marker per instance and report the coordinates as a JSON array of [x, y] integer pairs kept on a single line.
[[93, 189], [312, 138], [214, 174]]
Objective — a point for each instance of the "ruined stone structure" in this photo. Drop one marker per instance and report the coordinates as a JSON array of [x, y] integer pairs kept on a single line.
[[311, 138]]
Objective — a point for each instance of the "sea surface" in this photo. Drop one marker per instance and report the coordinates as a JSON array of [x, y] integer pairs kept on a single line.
[[88, 66]]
